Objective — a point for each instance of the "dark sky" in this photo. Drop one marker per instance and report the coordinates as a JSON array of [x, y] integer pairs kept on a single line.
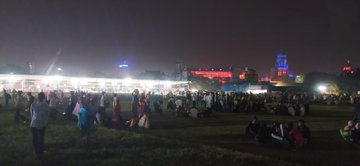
[[96, 35]]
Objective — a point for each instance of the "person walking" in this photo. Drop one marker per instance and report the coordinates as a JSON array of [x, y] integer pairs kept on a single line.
[[39, 118]]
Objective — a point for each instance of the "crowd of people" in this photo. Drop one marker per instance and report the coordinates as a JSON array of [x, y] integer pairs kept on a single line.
[[284, 134], [90, 110]]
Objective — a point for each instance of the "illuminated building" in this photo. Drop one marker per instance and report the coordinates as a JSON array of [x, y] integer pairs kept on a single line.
[[281, 65], [249, 75], [38, 83], [218, 74], [347, 70]]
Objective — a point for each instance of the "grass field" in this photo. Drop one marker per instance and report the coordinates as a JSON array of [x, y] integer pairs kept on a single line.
[[217, 140]]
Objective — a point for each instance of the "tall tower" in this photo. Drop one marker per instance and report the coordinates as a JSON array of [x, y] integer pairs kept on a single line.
[[281, 65]]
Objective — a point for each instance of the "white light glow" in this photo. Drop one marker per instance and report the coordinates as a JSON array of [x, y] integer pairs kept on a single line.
[[83, 81], [47, 80], [74, 82], [12, 79], [167, 84], [57, 78], [257, 91], [128, 81], [322, 88], [113, 83], [102, 83]]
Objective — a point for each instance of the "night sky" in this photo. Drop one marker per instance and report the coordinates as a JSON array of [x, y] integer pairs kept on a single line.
[[97, 35]]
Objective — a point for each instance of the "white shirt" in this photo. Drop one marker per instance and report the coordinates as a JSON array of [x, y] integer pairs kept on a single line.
[[178, 103], [39, 114], [102, 101], [193, 112]]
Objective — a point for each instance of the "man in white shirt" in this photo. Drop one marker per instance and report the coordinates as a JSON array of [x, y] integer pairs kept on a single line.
[[39, 117], [102, 107]]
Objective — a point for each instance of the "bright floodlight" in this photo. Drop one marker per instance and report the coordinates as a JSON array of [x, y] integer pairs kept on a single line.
[[57, 78], [128, 81], [121, 66], [59, 69], [102, 83], [322, 88]]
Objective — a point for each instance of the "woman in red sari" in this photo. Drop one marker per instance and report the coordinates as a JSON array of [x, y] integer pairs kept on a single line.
[[116, 118], [144, 121]]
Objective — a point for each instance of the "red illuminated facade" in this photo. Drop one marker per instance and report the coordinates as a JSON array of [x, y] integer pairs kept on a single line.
[[347, 69], [211, 74], [222, 76], [281, 72]]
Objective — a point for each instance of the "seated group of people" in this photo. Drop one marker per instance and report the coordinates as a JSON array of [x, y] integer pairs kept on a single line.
[[290, 109], [193, 112], [351, 132], [283, 134]]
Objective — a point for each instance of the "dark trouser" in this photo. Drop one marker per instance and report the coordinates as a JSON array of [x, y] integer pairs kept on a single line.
[[102, 113], [17, 115], [38, 141], [6, 103], [307, 109]]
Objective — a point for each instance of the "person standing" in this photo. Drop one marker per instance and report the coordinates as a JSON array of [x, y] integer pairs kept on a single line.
[[102, 107], [134, 108], [39, 118], [20, 106], [84, 119], [7, 97], [30, 99], [116, 117]]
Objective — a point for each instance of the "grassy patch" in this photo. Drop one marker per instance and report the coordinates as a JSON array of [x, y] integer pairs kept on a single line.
[[217, 140]]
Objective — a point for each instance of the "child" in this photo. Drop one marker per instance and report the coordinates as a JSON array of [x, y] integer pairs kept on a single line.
[[83, 123], [347, 131], [295, 136]]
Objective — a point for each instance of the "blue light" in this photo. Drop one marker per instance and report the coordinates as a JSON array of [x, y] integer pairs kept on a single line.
[[124, 65], [291, 75], [281, 62]]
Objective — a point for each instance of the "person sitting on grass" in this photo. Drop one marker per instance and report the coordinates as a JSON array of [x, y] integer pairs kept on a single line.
[[305, 131], [276, 133], [181, 111], [280, 134], [355, 135], [264, 134], [357, 112], [347, 130], [291, 110], [193, 112], [295, 136], [252, 128], [280, 109]]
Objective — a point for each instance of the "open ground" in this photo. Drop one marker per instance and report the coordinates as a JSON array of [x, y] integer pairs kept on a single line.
[[217, 140]]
